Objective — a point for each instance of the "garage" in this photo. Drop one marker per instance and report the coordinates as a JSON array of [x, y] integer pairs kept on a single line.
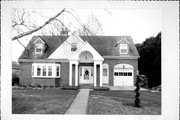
[[123, 75]]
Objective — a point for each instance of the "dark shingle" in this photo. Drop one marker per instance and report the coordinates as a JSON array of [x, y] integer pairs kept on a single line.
[[104, 45]]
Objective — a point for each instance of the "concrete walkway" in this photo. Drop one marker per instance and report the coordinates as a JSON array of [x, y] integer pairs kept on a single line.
[[79, 104]]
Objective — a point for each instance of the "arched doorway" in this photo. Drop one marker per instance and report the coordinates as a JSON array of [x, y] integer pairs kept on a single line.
[[86, 69]]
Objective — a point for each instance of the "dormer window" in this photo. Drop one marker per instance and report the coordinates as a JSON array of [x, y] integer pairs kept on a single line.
[[38, 48], [123, 49], [73, 47]]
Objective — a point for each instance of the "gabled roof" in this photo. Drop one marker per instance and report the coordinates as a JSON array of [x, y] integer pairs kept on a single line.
[[104, 45]]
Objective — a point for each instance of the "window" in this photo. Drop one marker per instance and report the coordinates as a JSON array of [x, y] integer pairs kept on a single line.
[[121, 73], [57, 71], [104, 71], [38, 70], [115, 73], [80, 71], [38, 48], [92, 71], [73, 46], [129, 74], [123, 49], [49, 70], [32, 70], [46, 70], [125, 73]]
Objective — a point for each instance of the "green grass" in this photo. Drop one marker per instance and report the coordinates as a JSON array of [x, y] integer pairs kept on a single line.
[[44, 101], [122, 102]]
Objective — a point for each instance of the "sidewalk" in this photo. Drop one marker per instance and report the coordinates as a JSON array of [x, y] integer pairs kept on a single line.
[[79, 104]]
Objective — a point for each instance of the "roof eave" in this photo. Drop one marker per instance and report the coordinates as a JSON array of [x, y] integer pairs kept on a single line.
[[42, 60], [121, 57]]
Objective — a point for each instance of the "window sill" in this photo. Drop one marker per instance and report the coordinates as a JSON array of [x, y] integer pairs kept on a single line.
[[38, 53]]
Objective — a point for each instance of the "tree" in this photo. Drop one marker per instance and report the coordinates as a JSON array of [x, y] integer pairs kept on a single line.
[[20, 23], [50, 22], [92, 27], [24, 25], [150, 60]]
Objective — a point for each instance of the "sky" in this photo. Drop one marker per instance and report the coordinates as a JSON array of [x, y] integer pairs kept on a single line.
[[137, 23]]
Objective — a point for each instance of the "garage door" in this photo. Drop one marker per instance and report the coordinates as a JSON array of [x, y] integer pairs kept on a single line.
[[123, 75]]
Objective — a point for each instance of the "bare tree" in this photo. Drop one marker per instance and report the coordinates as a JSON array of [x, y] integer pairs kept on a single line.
[[92, 27], [22, 20], [23, 25]]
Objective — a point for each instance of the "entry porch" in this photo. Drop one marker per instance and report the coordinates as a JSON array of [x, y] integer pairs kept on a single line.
[[85, 67]]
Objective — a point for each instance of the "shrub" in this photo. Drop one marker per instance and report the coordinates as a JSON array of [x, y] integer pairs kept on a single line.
[[101, 89], [15, 79], [44, 86], [39, 86], [143, 81], [30, 86], [69, 87], [24, 86]]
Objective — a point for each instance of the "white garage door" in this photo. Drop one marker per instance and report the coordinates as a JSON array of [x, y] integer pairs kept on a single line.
[[123, 75]]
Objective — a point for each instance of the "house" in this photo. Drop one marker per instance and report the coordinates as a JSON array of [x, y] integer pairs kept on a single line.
[[76, 60]]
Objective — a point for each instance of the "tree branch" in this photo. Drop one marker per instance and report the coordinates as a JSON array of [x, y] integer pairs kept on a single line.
[[40, 27], [21, 44]]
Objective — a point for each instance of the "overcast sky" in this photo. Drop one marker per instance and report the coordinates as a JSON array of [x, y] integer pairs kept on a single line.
[[137, 23]]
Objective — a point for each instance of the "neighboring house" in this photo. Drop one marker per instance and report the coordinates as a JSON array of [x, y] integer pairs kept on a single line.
[[75, 60]]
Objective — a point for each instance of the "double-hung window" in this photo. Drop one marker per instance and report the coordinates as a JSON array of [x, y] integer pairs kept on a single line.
[[73, 47], [49, 70], [38, 48], [38, 70], [123, 49], [43, 70], [57, 71], [104, 71]]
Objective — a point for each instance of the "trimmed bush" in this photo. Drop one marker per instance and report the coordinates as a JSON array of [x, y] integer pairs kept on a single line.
[[101, 89], [15, 79], [38, 86], [69, 87], [45, 87]]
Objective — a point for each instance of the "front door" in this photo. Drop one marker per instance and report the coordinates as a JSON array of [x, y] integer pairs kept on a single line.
[[86, 75]]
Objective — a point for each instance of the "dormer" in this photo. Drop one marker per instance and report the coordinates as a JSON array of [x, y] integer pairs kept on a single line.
[[123, 47], [39, 46]]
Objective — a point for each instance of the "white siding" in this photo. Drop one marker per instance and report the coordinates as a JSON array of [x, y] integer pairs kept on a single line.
[[64, 50]]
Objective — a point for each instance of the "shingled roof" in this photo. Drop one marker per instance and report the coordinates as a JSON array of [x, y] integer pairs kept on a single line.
[[104, 45]]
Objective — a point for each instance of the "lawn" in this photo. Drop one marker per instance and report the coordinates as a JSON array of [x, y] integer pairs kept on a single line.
[[122, 102], [42, 101]]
